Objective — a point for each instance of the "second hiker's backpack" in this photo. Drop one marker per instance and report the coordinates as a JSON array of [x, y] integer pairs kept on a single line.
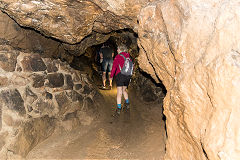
[[127, 68]]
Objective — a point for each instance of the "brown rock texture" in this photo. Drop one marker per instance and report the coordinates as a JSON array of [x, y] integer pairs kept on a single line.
[[38, 99], [71, 21], [25, 39], [28, 40], [192, 46]]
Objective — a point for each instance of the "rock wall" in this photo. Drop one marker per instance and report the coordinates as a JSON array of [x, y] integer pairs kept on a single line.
[[191, 46], [148, 91], [71, 21], [37, 96], [29, 40]]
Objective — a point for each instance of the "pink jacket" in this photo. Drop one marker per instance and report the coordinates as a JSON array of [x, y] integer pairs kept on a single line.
[[118, 60]]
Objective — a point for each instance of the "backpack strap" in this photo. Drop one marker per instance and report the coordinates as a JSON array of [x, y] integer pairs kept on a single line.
[[122, 56], [124, 60]]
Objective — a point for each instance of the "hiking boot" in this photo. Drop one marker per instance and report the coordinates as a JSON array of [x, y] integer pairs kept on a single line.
[[118, 111], [127, 105]]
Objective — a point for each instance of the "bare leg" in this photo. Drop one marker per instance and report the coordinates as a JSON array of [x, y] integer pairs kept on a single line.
[[104, 78], [109, 74], [125, 94], [119, 95], [110, 81]]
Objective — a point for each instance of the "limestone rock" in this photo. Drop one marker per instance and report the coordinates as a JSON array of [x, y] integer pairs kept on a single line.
[[51, 66], [33, 64], [191, 46], [55, 80], [10, 121], [45, 89], [47, 95], [1, 117], [188, 45], [30, 96], [3, 139], [69, 82], [71, 21], [13, 100], [91, 107], [61, 99], [8, 60], [78, 86], [38, 80], [87, 90], [3, 81], [31, 134], [75, 96], [30, 41], [25, 39], [44, 107], [147, 89]]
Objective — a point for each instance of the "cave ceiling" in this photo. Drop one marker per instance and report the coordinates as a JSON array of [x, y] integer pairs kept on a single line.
[[71, 21]]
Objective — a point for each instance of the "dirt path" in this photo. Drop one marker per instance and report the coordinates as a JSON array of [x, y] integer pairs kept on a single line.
[[137, 134]]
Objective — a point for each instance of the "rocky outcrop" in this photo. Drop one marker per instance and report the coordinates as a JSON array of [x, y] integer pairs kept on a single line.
[[37, 96], [193, 48], [28, 40], [72, 21]]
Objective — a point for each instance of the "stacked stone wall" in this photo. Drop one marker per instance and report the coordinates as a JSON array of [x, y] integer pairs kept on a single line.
[[38, 95]]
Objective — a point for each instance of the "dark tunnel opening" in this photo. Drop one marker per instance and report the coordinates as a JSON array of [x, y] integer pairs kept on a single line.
[[147, 89]]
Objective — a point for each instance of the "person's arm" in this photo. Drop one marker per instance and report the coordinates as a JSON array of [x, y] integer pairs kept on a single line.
[[112, 54], [114, 67]]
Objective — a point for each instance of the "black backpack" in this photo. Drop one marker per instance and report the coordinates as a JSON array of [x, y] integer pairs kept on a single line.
[[127, 68]]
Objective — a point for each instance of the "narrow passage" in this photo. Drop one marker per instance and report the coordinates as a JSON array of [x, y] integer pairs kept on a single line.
[[137, 134]]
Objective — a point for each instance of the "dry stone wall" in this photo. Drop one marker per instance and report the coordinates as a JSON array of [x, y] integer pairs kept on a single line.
[[37, 95]]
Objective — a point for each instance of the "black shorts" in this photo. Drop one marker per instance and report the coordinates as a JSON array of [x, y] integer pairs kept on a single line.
[[122, 80]]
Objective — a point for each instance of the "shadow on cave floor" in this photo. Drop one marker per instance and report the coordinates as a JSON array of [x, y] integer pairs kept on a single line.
[[137, 134]]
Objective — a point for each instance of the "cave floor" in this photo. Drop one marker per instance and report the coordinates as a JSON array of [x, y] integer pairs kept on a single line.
[[136, 134]]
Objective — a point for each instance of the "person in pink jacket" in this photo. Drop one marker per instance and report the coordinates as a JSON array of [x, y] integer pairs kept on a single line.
[[121, 80]]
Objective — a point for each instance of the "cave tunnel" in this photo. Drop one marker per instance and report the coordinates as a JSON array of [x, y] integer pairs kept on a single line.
[[56, 98], [184, 93]]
